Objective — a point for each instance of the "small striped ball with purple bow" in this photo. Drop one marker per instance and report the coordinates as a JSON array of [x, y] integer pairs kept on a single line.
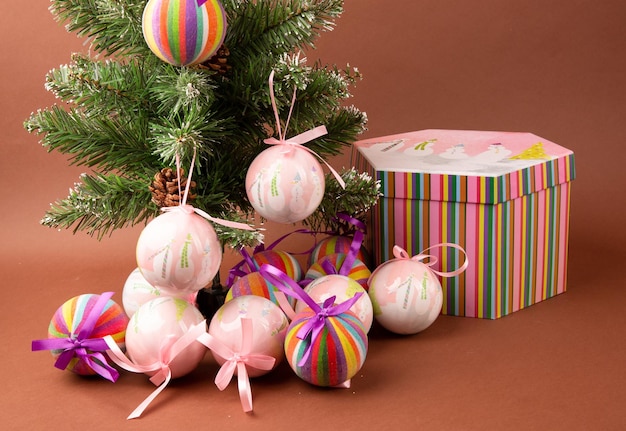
[[184, 32], [334, 356]]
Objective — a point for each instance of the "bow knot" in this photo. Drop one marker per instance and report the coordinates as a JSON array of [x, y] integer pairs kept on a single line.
[[401, 254]]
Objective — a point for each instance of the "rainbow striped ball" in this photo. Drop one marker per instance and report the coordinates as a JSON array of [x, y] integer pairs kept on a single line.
[[182, 33], [254, 284], [337, 354], [70, 317], [359, 272], [335, 244], [281, 260]]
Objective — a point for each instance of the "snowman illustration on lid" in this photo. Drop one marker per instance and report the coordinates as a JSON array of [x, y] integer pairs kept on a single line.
[[493, 154], [421, 149]]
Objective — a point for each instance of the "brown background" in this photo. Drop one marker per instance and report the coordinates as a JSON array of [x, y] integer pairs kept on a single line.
[[554, 68]]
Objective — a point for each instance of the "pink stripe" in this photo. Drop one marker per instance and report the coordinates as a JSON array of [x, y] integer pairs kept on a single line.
[[471, 245], [473, 192]]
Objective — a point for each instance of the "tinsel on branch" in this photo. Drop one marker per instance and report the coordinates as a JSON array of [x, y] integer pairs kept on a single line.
[[126, 115]]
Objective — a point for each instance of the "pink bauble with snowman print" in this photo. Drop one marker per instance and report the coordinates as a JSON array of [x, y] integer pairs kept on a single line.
[[406, 296], [178, 251], [285, 183]]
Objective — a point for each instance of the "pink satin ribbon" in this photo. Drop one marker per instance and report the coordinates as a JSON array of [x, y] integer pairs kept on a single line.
[[188, 209], [81, 346], [163, 373], [302, 138], [401, 254], [239, 361], [314, 326]]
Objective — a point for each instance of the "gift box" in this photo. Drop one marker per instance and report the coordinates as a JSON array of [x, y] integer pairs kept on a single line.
[[502, 196]]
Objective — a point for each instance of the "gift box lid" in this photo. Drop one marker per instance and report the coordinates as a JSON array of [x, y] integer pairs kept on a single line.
[[464, 165]]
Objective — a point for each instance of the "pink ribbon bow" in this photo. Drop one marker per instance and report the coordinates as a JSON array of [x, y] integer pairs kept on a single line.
[[163, 373], [400, 253], [314, 326], [239, 361], [302, 138], [81, 346]]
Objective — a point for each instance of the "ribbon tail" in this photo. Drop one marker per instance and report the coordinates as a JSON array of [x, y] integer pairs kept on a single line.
[[145, 403], [344, 385], [243, 384], [225, 374], [98, 363]]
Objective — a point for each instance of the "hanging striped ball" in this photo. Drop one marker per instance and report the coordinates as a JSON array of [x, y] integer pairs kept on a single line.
[[335, 244], [359, 272], [254, 284], [70, 317], [337, 354], [281, 260], [181, 32]]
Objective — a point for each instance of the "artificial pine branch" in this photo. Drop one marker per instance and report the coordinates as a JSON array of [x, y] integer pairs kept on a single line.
[[129, 115]]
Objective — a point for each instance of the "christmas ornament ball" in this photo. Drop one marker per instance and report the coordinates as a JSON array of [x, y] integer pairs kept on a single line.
[[335, 356], [279, 259], [254, 284], [156, 326], [184, 32], [343, 288], [137, 291], [336, 244], [285, 184], [269, 326], [332, 264], [70, 317], [179, 252], [406, 296]]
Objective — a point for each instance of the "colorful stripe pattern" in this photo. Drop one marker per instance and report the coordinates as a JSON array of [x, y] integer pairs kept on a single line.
[[70, 317], [513, 227], [255, 284], [359, 272], [182, 33], [337, 354]]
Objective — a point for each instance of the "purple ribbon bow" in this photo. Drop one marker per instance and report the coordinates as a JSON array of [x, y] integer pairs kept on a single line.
[[81, 346], [316, 324]]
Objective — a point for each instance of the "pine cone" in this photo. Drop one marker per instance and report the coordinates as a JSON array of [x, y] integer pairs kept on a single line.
[[219, 61], [165, 188]]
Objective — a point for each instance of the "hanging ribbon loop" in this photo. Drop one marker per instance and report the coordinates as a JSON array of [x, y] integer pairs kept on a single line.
[[400, 253], [300, 139], [81, 346]]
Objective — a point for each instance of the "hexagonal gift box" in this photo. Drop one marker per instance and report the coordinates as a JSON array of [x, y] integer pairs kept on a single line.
[[503, 196]]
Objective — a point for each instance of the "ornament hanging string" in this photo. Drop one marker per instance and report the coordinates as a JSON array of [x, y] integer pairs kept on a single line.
[[163, 374], [81, 346], [239, 361], [401, 254], [316, 324], [188, 209], [300, 139]]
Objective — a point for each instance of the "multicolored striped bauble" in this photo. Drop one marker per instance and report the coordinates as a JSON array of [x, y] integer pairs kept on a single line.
[[184, 32], [332, 264], [70, 318], [254, 284], [281, 260], [335, 244], [336, 354]]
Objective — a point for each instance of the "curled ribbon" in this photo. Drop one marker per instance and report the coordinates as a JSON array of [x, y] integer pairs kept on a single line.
[[81, 346], [300, 139], [188, 209], [400, 253], [311, 329], [169, 351], [239, 361]]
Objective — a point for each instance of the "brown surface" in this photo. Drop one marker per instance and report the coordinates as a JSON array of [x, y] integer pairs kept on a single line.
[[557, 69]]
